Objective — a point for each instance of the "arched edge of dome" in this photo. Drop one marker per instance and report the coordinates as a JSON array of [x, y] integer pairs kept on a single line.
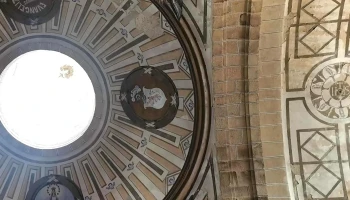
[[201, 131]]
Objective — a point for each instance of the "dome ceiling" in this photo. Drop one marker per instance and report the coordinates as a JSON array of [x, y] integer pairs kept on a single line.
[[114, 159]]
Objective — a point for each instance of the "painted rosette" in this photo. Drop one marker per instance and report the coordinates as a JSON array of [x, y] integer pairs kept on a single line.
[[330, 91]]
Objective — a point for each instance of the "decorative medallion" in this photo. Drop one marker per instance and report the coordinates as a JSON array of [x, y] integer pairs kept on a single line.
[[30, 12], [149, 97], [54, 187], [330, 91]]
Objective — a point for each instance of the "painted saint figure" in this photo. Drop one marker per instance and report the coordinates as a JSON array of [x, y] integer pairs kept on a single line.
[[53, 194]]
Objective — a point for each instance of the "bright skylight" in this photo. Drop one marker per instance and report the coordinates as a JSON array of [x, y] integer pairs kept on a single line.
[[47, 100]]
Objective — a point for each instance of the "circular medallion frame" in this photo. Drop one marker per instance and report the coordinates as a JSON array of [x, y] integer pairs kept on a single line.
[[149, 97], [31, 12], [51, 184], [327, 91]]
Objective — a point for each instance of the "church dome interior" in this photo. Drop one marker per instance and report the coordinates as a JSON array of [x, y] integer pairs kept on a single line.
[[101, 95], [174, 99]]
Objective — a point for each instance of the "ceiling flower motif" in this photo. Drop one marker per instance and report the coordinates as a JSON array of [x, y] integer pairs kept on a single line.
[[330, 90]]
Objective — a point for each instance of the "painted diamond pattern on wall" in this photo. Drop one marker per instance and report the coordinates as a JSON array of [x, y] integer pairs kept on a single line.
[[319, 9], [316, 39], [323, 181], [317, 54], [318, 145]]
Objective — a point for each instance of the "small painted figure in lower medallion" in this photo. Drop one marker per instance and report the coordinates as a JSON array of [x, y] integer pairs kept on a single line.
[[54, 187]]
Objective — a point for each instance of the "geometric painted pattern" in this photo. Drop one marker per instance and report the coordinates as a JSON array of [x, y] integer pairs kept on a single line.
[[189, 104], [317, 98], [324, 38], [314, 35], [317, 164]]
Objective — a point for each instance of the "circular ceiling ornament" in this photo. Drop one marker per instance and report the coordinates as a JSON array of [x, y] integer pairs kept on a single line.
[[330, 91], [31, 12], [58, 93], [54, 187], [149, 97]]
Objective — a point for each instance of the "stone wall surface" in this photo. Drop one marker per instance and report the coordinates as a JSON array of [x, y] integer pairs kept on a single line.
[[247, 72], [291, 68]]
